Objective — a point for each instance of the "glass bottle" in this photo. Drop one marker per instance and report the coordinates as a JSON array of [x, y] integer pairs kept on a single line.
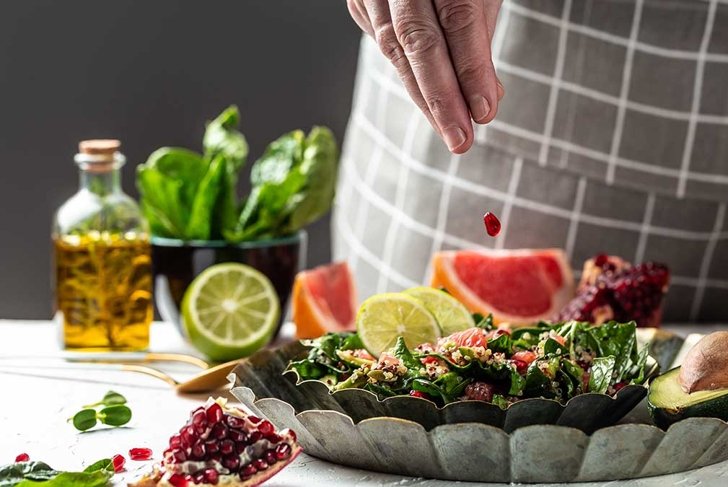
[[103, 273]]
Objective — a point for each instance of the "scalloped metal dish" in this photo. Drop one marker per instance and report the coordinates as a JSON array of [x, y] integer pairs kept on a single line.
[[469, 441]]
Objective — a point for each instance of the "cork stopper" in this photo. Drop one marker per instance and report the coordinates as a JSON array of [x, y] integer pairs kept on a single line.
[[99, 155], [99, 146]]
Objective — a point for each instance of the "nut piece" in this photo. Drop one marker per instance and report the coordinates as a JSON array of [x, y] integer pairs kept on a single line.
[[706, 365]]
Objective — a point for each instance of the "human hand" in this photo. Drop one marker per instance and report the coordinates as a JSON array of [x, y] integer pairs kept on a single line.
[[442, 52]]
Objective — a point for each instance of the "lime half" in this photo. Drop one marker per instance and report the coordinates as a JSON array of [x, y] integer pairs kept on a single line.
[[230, 311], [384, 317], [451, 314]]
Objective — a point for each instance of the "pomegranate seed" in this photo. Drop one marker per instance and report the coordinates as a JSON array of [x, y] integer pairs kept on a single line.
[[214, 413], [211, 476], [234, 422], [177, 480], [283, 451], [260, 464], [418, 394], [240, 447], [212, 447], [198, 451], [521, 366], [270, 457], [480, 391], [619, 386], [237, 436], [175, 441], [231, 462], [198, 477], [248, 471], [190, 436], [255, 437], [430, 360], [273, 438], [179, 456], [23, 457], [199, 417], [266, 428], [492, 224], [137, 454], [227, 447], [254, 419], [219, 431], [118, 462], [215, 457], [289, 432]]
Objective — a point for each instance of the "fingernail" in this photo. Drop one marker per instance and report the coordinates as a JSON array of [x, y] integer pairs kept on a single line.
[[454, 137], [479, 108]]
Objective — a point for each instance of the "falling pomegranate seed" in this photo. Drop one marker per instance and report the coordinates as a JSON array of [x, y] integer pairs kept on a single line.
[[138, 454], [492, 224], [23, 457], [118, 462]]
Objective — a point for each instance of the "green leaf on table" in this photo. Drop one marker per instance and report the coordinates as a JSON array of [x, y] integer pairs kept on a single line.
[[85, 419], [40, 474], [111, 398], [117, 415]]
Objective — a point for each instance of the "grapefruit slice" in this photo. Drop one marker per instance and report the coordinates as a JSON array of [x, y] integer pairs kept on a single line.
[[324, 300], [517, 286]]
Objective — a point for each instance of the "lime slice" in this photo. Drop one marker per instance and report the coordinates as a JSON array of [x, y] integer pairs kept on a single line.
[[450, 313], [384, 317], [230, 311]]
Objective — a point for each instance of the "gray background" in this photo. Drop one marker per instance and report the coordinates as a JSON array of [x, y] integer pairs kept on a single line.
[[149, 73]]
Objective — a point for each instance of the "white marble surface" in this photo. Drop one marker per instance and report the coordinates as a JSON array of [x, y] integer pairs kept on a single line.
[[36, 397]]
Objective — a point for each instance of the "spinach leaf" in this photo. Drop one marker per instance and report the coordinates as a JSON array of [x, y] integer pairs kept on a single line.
[[167, 185], [601, 374], [484, 322], [199, 225], [500, 344], [405, 356], [222, 139], [39, 474], [293, 185]]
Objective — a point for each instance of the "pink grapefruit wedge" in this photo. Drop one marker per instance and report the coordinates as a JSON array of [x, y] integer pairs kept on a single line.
[[324, 300], [517, 286]]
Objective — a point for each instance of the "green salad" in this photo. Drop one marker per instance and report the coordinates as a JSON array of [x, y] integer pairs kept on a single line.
[[486, 363]]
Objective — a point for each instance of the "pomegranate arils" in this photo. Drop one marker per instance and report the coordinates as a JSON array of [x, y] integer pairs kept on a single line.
[[248, 471], [521, 366], [291, 433], [214, 413], [283, 451], [227, 447], [273, 438], [189, 435], [234, 422], [266, 428], [198, 451], [212, 446], [137, 454], [231, 462], [177, 480], [199, 417], [211, 476], [237, 436], [612, 289], [23, 457], [270, 457], [179, 456], [118, 462], [219, 431], [492, 224], [260, 464], [255, 437], [254, 419], [421, 394], [175, 441], [480, 391]]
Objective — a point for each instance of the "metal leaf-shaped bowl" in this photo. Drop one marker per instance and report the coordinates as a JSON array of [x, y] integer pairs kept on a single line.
[[265, 375]]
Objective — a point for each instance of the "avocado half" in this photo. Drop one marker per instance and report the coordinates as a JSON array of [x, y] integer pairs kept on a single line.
[[668, 403]]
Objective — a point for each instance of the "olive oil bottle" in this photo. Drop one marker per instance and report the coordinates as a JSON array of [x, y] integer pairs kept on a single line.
[[102, 258]]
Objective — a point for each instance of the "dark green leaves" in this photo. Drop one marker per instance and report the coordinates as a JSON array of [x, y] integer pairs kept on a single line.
[[39, 474], [113, 413], [190, 196], [405, 356], [601, 374], [293, 185], [484, 322]]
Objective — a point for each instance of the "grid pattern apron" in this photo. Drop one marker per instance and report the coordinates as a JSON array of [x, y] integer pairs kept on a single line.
[[612, 137]]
